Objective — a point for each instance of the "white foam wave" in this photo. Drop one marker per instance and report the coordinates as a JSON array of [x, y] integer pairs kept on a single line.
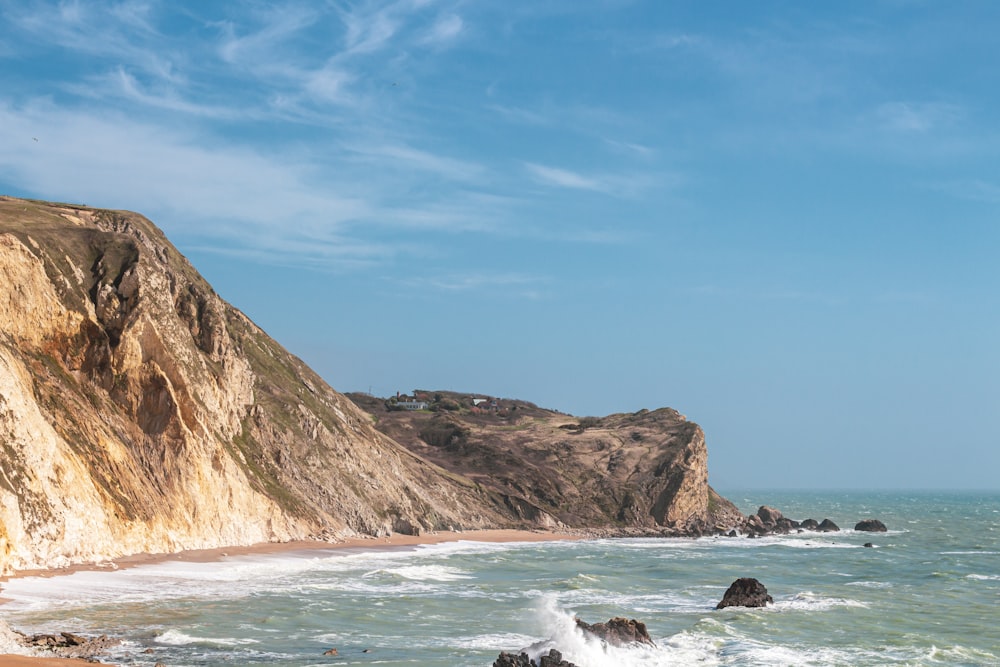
[[430, 573], [178, 638], [983, 577], [562, 634], [869, 584], [809, 601]]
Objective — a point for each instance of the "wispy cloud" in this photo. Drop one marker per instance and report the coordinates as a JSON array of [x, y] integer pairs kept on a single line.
[[444, 30], [917, 117], [522, 286], [972, 190], [622, 184], [564, 178]]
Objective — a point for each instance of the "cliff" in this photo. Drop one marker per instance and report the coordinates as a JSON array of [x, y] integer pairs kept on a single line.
[[139, 412], [643, 471]]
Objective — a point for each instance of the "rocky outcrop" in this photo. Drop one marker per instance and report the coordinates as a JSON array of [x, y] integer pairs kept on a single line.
[[618, 631], [139, 412], [870, 526], [745, 592]]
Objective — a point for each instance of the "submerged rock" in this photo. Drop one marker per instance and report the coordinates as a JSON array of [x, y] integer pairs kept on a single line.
[[745, 592], [618, 631], [870, 526]]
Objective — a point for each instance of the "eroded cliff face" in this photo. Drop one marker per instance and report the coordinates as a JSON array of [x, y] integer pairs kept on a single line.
[[139, 412]]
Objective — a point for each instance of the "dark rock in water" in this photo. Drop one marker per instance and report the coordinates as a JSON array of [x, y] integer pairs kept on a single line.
[[870, 526], [745, 592], [827, 526], [618, 631], [785, 525], [809, 524], [869, 545], [553, 659], [510, 660], [331, 651], [732, 533]]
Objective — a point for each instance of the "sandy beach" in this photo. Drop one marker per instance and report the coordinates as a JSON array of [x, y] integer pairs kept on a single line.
[[211, 555], [354, 543], [8, 660]]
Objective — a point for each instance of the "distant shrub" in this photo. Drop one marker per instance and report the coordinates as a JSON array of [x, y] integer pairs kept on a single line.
[[442, 432]]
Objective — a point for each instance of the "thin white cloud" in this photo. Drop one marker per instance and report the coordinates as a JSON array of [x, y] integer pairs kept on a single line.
[[615, 184], [400, 156], [517, 285], [972, 190], [256, 47], [444, 30], [916, 117], [564, 178]]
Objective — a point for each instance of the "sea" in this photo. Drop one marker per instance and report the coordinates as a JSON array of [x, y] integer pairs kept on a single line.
[[926, 593]]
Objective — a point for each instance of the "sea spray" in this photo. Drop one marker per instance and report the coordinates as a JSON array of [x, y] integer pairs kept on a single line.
[[584, 649]]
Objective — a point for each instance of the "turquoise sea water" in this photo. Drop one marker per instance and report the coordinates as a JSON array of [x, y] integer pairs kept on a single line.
[[927, 594]]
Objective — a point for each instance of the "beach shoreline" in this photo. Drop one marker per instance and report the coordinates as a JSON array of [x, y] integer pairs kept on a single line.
[[348, 545], [354, 544]]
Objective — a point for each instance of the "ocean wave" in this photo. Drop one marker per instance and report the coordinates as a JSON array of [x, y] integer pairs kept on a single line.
[[809, 601], [870, 584], [430, 573], [178, 638], [983, 577]]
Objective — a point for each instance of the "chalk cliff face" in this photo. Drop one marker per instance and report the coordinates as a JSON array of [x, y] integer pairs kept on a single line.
[[139, 412]]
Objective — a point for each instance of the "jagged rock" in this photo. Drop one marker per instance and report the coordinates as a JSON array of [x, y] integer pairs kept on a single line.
[[827, 526], [745, 592], [870, 526], [513, 660], [552, 659], [69, 645], [769, 516], [618, 631]]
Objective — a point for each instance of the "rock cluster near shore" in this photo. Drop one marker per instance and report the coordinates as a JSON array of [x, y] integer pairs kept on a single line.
[[770, 521]]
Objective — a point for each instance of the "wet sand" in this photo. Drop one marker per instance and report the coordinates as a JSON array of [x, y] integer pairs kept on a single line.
[[7, 660]]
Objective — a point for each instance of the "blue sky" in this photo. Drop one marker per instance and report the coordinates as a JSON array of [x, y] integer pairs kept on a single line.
[[781, 219]]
